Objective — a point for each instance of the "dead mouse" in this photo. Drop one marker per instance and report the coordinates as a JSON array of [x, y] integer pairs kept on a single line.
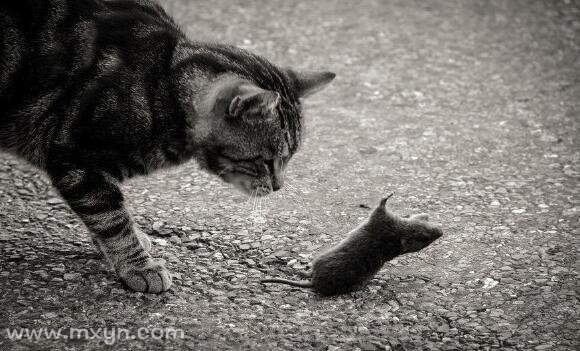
[[355, 260]]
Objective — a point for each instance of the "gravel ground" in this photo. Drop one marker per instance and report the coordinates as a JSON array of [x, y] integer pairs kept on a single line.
[[468, 110]]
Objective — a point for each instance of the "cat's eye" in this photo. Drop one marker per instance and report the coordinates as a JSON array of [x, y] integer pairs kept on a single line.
[[243, 160]]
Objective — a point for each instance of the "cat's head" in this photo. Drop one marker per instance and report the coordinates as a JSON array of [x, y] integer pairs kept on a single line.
[[251, 132], [413, 233]]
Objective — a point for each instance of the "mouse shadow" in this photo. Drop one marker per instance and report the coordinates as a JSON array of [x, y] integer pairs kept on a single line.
[[388, 289]]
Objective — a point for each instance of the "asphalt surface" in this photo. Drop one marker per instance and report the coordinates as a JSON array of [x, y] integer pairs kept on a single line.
[[469, 111]]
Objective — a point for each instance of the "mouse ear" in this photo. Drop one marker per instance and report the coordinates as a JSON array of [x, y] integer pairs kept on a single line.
[[307, 83], [383, 202], [421, 217]]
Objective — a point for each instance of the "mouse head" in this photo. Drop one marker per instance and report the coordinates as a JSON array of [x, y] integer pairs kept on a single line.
[[418, 233], [413, 233]]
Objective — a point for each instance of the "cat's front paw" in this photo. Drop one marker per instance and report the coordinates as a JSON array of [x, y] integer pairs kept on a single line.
[[153, 278]]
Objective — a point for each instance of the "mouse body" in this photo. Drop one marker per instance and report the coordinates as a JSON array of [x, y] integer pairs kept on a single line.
[[356, 259]]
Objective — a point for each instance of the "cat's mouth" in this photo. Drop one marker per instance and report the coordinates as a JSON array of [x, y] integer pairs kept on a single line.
[[248, 185]]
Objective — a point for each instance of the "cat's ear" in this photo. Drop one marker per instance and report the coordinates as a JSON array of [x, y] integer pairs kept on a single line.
[[254, 106], [307, 83]]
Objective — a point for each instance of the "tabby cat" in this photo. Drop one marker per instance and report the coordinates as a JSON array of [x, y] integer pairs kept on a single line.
[[96, 91]]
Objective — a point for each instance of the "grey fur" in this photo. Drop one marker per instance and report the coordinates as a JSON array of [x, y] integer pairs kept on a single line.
[[354, 261]]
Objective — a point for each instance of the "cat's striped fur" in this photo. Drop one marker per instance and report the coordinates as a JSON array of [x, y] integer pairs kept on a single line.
[[95, 91]]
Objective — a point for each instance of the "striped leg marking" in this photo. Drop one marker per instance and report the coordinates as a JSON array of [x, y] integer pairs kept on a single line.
[[98, 201]]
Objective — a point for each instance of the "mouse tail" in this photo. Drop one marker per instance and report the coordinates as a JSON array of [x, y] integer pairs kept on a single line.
[[300, 284]]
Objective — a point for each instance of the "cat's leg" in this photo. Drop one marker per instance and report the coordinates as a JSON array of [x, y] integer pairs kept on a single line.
[[143, 239], [98, 201]]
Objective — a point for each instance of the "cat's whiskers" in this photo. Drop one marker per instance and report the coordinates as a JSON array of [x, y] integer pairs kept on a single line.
[[255, 203], [295, 194], [260, 202], [250, 201], [263, 208], [247, 203], [287, 194], [244, 204]]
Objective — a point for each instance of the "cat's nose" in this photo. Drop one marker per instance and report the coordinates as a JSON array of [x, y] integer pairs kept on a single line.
[[277, 183]]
